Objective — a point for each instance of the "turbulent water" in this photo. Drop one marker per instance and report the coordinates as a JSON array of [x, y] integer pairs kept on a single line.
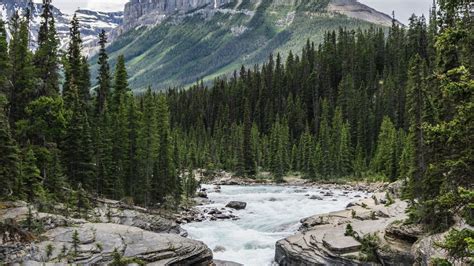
[[272, 213]]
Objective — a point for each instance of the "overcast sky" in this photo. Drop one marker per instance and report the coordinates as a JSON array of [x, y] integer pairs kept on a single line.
[[403, 8]]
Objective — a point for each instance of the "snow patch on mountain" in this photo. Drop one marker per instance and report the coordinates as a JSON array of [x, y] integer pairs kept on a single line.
[[92, 22]]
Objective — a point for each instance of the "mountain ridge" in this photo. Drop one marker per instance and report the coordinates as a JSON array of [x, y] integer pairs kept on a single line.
[[92, 22], [171, 46]]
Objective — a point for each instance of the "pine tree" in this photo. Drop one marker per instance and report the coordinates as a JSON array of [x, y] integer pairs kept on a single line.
[[73, 65], [46, 56], [416, 106], [103, 78], [325, 142], [31, 180], [165, 181], [148, 141], [385, 160], [120, 81], [9, 161], [345, 152], [247, 149], [22, 71], [77, 144], [4, 61]]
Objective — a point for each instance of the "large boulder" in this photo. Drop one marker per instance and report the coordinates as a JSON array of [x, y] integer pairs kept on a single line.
[[237, 205], [98, 241]]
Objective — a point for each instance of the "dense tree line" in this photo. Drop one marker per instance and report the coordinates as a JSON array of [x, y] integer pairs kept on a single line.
[[103, 141], [386, 105], [393, 104]]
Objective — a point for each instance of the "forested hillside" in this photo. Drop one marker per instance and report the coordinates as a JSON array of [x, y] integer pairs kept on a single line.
[[207, 43], [361, 105]]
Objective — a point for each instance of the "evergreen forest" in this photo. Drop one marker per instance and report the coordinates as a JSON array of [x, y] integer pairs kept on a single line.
[[375, 104]]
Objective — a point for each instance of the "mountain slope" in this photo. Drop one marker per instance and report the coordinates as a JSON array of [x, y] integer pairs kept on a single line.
[[176, 46], [92, 22]]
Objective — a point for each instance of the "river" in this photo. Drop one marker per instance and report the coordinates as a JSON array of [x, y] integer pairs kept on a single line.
[[272, 213]]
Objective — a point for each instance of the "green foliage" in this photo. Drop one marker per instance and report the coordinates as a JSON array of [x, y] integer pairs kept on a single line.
[[10, 159], [75, 243], [459, 245], [370, 244], [49, 251], [119, 260], [349, 230], [385, 160], [389, 199]]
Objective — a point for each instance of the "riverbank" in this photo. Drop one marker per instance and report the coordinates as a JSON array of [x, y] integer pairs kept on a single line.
[[272, 212], [110, 232], [220, 178], [370, 230]]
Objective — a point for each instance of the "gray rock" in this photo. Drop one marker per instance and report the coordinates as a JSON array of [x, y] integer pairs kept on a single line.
[[238, 205], [219, 249], [202, 194], [99, 240], [314, 197], [322, 240]]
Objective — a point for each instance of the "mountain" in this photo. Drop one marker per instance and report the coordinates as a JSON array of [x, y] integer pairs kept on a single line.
[[176, 42], [92, 22]]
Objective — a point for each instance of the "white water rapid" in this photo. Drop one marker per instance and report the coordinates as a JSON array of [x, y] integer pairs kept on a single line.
[[272, 213]]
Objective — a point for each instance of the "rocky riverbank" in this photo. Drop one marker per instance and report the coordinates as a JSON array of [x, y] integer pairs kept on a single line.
[[111, 231], [370, 230]]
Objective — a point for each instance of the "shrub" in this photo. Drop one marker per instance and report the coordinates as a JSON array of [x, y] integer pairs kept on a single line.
[[49, 251], [459, 244], [370, 244]]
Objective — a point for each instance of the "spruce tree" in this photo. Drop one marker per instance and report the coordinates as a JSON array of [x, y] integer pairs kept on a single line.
[[4, 61], [46, 56], [73, 64], [77, 144], [120, 82], [416, 106], [385, 161], [10, 160], [103, 89], [247, 149], [148, 141], [31, 180], [22, 68], [165, 181]]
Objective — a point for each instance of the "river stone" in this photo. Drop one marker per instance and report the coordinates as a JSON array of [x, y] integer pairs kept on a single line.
[[99, 240], [219, 249], [237, 205], [314, 197]]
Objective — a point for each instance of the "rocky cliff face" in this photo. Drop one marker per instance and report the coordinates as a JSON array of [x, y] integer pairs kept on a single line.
[[92, 22], [149, 12]]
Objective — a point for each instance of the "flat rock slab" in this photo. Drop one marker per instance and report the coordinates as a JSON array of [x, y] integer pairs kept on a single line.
[[98, 241], [341, 244]]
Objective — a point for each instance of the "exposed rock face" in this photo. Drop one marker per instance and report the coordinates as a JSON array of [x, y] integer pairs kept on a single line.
[[354, 9], [132, 231], [92, 22], [150, 12], [322, 239], [99, 240]]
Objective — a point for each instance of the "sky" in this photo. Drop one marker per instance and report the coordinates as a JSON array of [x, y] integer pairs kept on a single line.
[[403, 8]]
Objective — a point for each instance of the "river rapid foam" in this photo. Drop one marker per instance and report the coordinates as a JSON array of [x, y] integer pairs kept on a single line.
[[272, 213]]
